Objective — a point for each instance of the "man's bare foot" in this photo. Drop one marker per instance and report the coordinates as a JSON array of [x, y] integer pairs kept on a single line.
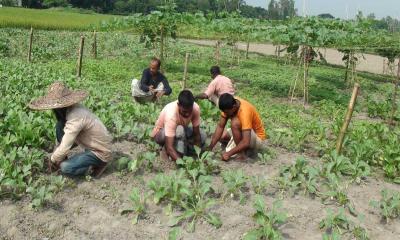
[[163, 154], [241, 156]]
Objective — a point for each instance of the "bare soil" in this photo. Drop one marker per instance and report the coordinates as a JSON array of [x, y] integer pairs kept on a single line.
[[367, 62], [90, 209]]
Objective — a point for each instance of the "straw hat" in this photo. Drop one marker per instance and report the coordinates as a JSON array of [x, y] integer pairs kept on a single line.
[[58, 96]]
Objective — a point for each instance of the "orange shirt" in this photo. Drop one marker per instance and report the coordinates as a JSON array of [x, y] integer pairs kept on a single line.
[[249, 118]]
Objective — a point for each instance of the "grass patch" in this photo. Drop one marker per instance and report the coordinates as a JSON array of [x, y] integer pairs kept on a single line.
[[50, 19]]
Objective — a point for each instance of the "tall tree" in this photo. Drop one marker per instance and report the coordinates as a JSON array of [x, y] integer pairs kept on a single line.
[[273, 10]]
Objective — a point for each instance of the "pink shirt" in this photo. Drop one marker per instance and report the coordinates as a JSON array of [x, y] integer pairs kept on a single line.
[[219, 86], [170, 118]]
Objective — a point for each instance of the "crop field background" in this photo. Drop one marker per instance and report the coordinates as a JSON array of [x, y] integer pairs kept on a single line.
[[298, 188], [50, 19]]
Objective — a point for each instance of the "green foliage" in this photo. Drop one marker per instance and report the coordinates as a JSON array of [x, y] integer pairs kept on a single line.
[[337, 224], [235, 183], [389, 205], [268, 221], [49, 19], [138, 205], [299, 176], [259, 184]]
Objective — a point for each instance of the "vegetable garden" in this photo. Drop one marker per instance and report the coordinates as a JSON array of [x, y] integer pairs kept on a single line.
[[299, 187]]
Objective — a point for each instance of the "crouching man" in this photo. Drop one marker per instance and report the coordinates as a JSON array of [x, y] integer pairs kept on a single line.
[[172, 130], [246, 132], [153, 84]]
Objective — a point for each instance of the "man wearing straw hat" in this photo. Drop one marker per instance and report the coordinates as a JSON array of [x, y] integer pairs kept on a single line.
[[153, 84], [75, 125]]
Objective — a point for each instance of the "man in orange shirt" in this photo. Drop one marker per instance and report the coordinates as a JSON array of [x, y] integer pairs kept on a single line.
[[247, 129]]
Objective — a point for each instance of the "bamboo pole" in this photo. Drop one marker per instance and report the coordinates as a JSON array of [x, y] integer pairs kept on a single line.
[[394, 98], [162, 44], [80, 56], [247, 48], [384, 66], [94, 46], [349, 114], [30, 46], [217, 52], [185, 70]]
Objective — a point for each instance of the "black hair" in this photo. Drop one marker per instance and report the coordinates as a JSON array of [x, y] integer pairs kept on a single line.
[[214, 70], [157, 60], [186, 99], [226, 102], [61, 114]]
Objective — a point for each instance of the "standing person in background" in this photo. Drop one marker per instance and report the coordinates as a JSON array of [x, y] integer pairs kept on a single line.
[[247, 129], [218, 86], [76, 125], [153, 84], [172, 130]]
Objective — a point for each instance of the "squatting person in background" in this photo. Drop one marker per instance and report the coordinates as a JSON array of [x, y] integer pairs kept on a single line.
[[153, 84], [218, 86], [172, 129], [246, 132], [75, 125]]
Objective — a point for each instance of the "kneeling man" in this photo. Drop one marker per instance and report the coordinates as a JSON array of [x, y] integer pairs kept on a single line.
[[172, 129]]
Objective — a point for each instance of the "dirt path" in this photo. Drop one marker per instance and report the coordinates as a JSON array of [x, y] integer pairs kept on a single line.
[[368, 62], [91, 209]]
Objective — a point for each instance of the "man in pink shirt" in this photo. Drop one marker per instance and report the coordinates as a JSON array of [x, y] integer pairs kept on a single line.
[[218, 86], [172, 129]]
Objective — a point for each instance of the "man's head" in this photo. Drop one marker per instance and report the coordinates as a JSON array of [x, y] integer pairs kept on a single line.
[[228, 104], [154, 66], [215, 71], [185, 103]]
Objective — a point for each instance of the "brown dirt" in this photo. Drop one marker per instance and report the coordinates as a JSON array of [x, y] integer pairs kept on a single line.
[[367, 62], [91, 209]]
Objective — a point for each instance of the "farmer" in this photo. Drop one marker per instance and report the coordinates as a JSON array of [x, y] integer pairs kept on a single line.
[[172, 129], [153, 84], [218, 86], [246, 132], [75, 125]]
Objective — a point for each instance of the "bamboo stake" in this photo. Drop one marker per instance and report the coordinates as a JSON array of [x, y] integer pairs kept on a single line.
[[247, 49], [80, 56], [279, 51], [217, 52], [94, 46], [185, 70], [346, 122], [162, 44], [384, 66], [394, 99], [30, 45]]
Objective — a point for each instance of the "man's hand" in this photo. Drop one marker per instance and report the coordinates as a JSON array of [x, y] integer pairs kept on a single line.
[[151, 89], [159, 94], [225, 156]]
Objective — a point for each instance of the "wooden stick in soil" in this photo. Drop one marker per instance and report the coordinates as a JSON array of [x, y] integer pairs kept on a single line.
[[384, 66], [30, 45], [185, 70], [247, 49], [162, 45], [346, 122], [94, 47], [394, 98], [217, 52], [80, 56]]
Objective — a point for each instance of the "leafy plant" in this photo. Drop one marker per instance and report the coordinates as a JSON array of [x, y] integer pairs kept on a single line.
[[197, 205], [389, 205], [268, 221], [235, 182], [259, 184], [138, 205], [299, 176]]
